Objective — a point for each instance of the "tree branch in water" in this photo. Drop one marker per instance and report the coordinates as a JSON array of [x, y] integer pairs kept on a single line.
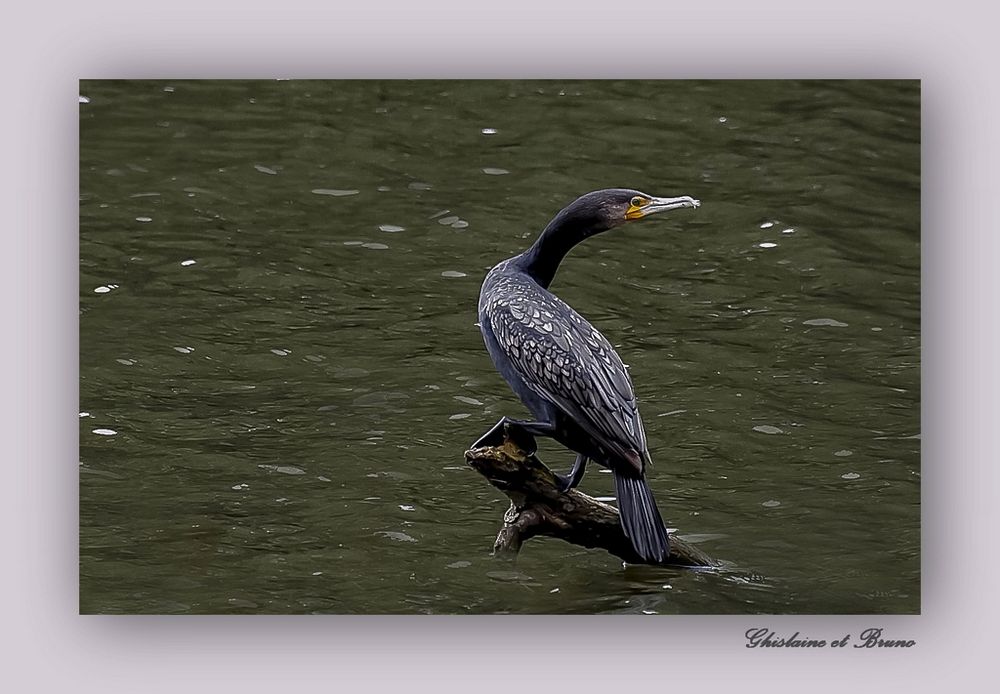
[[538, 507]]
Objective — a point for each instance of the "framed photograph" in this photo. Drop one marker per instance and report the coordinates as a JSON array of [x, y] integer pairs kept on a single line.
[[350, 346]]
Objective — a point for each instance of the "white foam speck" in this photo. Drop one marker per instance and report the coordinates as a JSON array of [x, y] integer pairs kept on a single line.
[[828, 322], [767, 429], [334, 192]]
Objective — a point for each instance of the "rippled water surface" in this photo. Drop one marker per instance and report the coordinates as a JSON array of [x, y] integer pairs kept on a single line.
[[280, 368]]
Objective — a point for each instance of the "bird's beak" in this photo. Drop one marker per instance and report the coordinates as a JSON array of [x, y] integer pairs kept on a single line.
[[656, 205]]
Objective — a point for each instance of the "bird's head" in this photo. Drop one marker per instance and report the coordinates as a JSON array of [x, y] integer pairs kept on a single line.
[[588, 215], [613, 206]]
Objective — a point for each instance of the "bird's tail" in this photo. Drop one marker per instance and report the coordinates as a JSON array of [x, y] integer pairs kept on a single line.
[[641, 519]]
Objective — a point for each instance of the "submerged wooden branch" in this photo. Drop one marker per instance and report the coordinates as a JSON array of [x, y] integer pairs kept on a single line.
[[538, 507]]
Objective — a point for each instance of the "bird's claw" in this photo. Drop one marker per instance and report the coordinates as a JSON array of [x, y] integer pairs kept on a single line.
[[520, 438], [493, 437]]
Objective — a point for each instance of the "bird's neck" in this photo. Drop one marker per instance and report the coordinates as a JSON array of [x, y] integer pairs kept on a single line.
[[542, 259]]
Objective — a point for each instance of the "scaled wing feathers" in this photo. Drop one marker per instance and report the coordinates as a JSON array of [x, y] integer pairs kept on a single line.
[[567, 361]]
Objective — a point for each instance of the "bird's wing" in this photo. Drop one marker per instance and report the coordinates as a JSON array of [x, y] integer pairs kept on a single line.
[[567, 361]]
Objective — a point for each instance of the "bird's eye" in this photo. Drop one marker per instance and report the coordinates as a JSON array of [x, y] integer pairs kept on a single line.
[[637, 201]]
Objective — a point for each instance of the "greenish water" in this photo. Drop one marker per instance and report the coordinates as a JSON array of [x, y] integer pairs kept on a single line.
[[278, 285]]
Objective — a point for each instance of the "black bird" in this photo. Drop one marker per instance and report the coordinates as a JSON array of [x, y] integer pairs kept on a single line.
[[564, 371]]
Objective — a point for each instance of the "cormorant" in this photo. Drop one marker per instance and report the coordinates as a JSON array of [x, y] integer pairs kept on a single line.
[[564, 371]]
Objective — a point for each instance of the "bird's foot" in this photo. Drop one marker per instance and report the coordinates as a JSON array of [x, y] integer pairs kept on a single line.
[[567, 482], [563, 482], [493, 437], [521, 438], [508, 430]]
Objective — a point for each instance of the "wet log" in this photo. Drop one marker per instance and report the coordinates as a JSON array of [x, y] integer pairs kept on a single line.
[[538, 507]]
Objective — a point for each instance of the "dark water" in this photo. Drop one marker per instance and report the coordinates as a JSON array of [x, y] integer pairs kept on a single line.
[[278, 285]]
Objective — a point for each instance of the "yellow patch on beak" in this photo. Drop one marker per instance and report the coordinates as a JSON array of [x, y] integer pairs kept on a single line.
[[634, 212]]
